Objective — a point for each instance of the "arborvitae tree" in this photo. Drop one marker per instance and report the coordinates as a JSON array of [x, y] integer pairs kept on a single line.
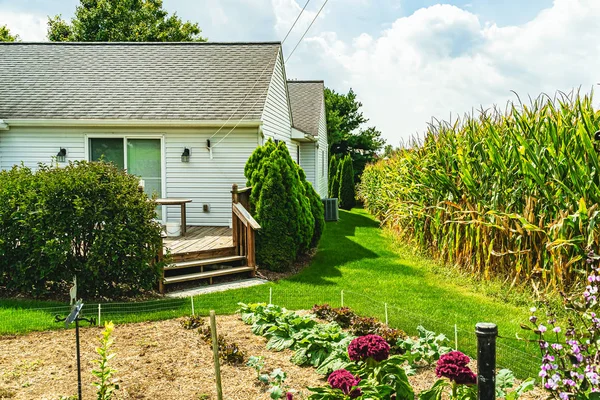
[[347, 190], [282, 208], [335, 180], [276, 242], [253, 172], [316, 207], [333, 170]]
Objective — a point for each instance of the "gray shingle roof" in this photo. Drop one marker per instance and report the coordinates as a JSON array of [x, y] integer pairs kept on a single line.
[[306, 99], [187, 81]]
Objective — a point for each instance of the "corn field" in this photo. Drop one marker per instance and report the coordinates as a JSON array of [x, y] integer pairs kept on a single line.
[[512, 193]]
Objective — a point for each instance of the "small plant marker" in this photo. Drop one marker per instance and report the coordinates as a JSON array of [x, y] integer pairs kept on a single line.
[[386, 314], [215, 346], [192, 300]]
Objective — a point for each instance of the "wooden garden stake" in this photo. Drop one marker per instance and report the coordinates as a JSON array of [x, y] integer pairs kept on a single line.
[[215, 346]]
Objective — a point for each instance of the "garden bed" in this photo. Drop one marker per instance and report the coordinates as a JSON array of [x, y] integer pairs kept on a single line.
[[155, 360]]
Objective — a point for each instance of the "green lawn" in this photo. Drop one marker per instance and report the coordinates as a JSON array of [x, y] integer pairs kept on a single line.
[[355, 256]]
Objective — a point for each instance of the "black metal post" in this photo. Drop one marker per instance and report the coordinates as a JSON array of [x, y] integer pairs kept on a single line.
[[486, 360], [78, 358]]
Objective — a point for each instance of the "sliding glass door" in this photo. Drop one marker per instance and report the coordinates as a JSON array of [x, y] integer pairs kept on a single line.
[[140, 157]]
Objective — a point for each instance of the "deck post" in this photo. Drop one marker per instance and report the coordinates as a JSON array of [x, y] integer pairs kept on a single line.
[[234, 219], [251, 255], [161, 255]]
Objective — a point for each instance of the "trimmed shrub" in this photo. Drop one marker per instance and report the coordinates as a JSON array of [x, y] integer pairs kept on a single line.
[[347, 191], [286, 206], [333, 171], [335, 180], [316, 207], [87, 220]]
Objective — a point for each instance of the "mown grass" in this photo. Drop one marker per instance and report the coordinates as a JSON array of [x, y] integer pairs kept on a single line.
[[355, 256]]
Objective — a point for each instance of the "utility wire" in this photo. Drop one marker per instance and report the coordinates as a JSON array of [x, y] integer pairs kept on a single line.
[[306, 31], [261, 74], [287, 59]]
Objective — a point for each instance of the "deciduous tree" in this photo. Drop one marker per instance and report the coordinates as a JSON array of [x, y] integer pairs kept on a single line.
[[122, 21], [345, 130], [6, 36]]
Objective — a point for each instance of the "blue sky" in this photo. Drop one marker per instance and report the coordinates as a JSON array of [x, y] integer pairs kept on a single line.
[[408, 60]]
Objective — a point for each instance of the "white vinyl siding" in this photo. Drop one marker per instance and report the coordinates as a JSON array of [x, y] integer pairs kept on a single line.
[[34, 145], [203, 180], [276, 115], [323, 162], [307, 161]]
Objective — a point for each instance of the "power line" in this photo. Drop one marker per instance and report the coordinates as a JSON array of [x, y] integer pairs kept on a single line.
[[262, 73], [306, 31], [287, 59]]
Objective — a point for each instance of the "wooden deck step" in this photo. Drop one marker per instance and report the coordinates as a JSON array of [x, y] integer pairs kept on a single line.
[[200, 263], [208, 274]]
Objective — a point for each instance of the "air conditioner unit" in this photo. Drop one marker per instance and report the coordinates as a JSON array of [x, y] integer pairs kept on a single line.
[[331, 209]]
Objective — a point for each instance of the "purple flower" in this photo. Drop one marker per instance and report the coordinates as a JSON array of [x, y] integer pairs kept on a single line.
[[369, 346], [533, 319], [542, 328], [289, 396], [563, 396], [453, 366], [556, 329], [345, 381]]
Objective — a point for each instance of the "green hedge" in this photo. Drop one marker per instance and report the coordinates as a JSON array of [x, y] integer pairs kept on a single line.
[[87, 219]]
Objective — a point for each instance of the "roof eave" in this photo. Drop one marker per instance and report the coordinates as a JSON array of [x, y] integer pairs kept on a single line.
[[175, 123]]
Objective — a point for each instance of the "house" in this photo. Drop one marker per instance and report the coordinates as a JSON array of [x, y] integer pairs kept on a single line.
[[307, 100], [184, 117]]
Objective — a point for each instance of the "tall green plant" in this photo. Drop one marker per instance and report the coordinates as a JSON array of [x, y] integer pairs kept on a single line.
[[106, 384], [510, 193], [347, 190]]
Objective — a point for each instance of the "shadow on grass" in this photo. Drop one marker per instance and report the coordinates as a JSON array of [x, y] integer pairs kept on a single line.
[[338, 247]]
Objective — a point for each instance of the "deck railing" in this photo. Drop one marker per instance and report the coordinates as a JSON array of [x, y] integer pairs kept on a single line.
[[244, 226]]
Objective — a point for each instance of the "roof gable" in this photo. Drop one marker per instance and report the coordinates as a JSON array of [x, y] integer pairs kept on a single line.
[[307, 99], [180, 81]]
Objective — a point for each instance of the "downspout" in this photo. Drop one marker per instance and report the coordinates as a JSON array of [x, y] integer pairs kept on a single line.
[[3, 126]]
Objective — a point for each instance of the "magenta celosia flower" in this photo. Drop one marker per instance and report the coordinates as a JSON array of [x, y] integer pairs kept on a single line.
[[453, 366], [369, 346], [289, 396], [344, 380]]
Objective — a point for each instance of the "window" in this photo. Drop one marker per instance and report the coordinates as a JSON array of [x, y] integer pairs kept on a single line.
[[140, 157], [298, 154]]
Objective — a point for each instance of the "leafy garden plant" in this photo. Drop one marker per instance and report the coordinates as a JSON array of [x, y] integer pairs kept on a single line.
[[372, 374], [105, 384], [426, 349], [505, 382]]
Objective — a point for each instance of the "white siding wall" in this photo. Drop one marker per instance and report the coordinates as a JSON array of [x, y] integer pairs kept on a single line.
[[204, 180], [34, 145], [277, 122], [307, 161], [207, 181], [323, 157]]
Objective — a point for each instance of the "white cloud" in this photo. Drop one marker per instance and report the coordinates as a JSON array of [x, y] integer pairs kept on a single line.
[[444, 59], [29, 27]]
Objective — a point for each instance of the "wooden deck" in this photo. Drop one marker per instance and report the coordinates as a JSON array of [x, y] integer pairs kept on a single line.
[[200, 238]]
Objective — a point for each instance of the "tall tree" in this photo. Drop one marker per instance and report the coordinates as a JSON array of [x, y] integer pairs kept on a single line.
[[6, 36], [122, 21], [345, 131]]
